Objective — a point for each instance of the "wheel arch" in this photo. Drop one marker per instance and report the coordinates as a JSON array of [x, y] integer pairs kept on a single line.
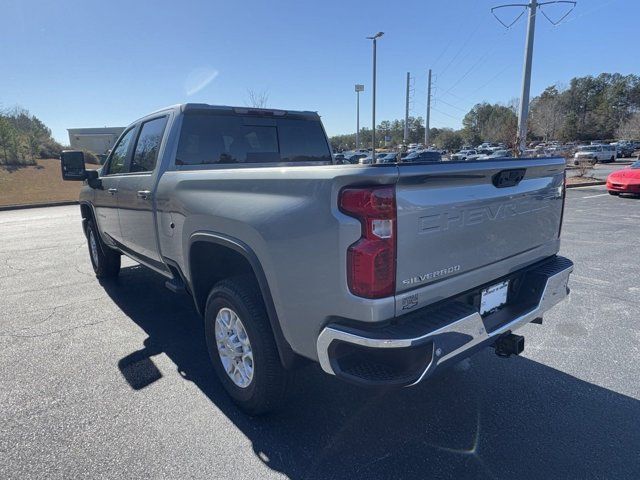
[[213, 257]]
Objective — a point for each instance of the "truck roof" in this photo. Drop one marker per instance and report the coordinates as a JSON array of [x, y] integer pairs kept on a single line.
[[202, 107], [185, 107]]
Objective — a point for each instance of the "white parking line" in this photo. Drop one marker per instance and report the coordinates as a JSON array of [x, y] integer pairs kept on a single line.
[[599, 195]]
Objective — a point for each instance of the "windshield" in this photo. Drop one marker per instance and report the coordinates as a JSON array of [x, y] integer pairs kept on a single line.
[[588, 149], [229, 139]]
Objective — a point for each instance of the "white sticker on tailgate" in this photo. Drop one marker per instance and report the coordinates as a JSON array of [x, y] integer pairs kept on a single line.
[[493, 297]]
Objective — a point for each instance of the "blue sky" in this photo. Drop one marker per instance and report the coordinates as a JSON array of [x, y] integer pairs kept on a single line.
[[85, 63]]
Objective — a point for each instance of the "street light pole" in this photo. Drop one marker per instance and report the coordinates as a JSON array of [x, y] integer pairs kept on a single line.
[[428, 119], [359, 88], [373, 108]]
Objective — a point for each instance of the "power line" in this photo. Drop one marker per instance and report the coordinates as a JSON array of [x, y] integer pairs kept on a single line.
[[451, 105], [492, 78], [443, 52], [444, 113], [588, 12], [460, 50]]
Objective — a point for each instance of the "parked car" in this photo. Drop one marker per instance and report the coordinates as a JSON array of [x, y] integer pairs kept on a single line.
[[626, 180], [595, 153], [488, 146], [476, 156], [320, 263], [624, 149], [423, 156], [339, 158], [389, 157], [484, 151], [462, 155], [351, 157], [531, 153], [496, 154]]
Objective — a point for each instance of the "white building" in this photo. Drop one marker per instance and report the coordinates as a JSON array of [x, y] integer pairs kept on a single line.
[[96, 140]]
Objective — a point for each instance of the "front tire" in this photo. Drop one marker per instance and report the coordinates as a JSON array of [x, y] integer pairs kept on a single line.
[[242, 347], [611, 192], [104, 260]]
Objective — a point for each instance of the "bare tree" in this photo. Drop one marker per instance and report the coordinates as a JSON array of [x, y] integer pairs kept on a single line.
[[630, 128], [584, 168], [546, 114], [258, 99]]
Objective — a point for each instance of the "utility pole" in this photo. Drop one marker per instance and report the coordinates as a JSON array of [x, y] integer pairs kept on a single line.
[[359, 88], [427, 122], [406, 112], [373, 109], [533, 8], [523, 111]]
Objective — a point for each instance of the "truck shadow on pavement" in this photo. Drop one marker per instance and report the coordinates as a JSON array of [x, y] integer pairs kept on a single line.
[[498, 418]]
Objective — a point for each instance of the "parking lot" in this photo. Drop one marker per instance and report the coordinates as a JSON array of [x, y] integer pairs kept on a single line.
[[113, 381]]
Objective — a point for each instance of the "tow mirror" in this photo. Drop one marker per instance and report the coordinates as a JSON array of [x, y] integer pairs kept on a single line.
[[72, 165]]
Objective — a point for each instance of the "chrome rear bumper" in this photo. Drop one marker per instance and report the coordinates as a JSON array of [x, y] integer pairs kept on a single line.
[[435, 335]]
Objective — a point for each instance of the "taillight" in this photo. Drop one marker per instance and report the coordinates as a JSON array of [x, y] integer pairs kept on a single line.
[[371, 261]]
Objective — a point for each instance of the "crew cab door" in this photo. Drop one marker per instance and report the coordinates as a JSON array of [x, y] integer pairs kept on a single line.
[[106, 199], [135, 193]]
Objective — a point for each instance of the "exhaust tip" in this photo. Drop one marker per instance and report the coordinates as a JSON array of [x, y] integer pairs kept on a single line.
[[509, 344]]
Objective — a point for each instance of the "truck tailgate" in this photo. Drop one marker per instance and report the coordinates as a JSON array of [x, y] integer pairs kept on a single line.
[[457, 218]]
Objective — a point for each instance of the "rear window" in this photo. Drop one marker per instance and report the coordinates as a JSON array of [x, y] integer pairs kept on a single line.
[[209, 139]]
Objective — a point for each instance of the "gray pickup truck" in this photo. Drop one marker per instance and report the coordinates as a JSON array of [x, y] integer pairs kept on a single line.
[[383, 274]]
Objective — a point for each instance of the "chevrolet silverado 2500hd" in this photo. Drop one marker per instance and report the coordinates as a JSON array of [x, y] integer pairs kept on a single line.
[[382, 273]]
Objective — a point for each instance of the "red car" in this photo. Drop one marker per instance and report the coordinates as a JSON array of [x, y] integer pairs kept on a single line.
[[626, 180]]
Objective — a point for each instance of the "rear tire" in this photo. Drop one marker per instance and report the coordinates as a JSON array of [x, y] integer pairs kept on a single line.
[[258, 386], [104, 260]]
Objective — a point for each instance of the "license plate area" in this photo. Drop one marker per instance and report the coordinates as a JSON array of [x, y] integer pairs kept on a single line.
[[493, 297]]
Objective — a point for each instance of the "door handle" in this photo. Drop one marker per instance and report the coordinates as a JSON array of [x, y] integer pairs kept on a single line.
[[113, 191], [144, 194]]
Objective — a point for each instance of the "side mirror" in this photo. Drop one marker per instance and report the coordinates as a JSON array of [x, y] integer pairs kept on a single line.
[[72, 165]]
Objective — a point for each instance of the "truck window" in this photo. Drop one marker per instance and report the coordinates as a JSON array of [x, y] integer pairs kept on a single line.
[[226, 139], [146, 152], [119, 155]]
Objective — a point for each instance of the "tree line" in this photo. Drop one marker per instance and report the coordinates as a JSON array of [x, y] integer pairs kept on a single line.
[[24, 138], [604, 107]]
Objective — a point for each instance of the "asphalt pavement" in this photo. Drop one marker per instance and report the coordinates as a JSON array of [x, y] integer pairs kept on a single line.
[[113, 380]]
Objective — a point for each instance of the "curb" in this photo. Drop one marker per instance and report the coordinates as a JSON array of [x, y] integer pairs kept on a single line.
[[37, 205], [588, 184]]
